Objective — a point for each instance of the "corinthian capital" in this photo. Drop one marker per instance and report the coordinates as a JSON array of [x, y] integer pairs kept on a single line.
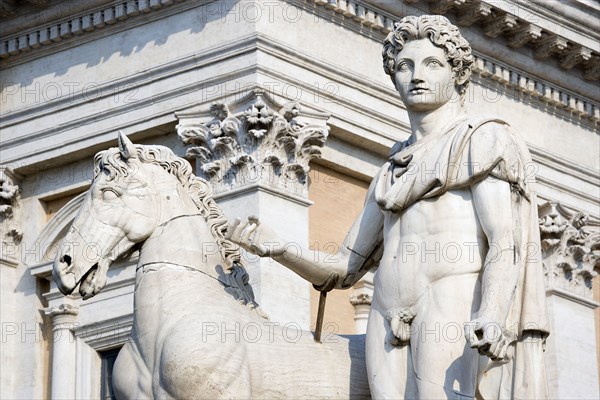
[[570, 248], [254, 141]]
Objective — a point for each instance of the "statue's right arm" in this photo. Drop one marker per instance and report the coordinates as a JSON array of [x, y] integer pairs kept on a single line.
[[361, 250]]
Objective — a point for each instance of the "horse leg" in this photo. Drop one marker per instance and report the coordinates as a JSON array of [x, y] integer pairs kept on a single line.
[[131, 378], [211, 370]]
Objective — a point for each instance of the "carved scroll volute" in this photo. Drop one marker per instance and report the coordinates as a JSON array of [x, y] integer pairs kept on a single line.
[[254, 141], [570, 248]]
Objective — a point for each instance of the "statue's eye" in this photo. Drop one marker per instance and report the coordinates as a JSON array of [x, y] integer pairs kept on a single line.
[[403, 66], [434, 63], [109, 194]]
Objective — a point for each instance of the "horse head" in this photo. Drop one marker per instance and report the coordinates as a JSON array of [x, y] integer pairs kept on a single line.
[[122, 208]]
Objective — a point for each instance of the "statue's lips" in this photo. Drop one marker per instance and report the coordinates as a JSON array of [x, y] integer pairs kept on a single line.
[[418, 90]]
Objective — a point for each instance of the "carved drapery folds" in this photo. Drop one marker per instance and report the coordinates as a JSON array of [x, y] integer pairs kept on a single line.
[[570, 248], [254, 141], [9, 215]]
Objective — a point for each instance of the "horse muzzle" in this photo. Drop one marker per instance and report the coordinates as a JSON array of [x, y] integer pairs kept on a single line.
[[63, 274]]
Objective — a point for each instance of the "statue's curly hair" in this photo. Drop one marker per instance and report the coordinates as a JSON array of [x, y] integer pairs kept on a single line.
[[441, 33]]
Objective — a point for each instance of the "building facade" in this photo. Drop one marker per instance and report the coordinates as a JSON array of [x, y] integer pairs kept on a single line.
[[73, 73]]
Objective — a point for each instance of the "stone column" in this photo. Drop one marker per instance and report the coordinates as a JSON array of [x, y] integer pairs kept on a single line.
[[255, 153], [64, 350], [361, 299], [571, 256]]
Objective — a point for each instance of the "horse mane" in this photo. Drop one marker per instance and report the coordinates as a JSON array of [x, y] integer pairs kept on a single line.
[[111, 162]]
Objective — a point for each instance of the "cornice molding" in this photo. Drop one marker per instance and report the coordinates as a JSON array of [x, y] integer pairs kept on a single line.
[[79, 24], [515, 22], [485, 70], [493, 20], [577, 106]]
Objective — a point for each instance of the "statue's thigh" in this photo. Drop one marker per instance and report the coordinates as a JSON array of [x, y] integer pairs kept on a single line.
[[446, 365], [389, 367]]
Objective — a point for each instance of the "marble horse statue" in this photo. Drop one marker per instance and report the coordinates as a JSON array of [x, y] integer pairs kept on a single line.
[[197, 330]]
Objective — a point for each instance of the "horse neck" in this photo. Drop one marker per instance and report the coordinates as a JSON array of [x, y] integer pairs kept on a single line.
[[181, 237]]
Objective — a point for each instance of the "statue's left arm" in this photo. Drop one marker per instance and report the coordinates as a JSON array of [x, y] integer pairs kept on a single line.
[[492, 200]]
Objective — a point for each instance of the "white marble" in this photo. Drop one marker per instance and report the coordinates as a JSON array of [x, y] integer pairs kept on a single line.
[[133, 74], [447, 186], [197, 329]]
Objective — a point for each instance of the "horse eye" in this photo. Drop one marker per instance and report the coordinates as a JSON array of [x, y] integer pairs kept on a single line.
[[109, 194]]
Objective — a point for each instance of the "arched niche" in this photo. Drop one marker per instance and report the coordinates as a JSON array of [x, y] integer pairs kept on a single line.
[[55, 230]]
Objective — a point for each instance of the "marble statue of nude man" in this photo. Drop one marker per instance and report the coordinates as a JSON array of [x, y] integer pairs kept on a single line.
[[458, 306]]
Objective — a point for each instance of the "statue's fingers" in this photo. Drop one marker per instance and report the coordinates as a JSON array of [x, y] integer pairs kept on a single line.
[[471, 337], [495, 349], [232, 230], [247, 232], [484, 348], [503, 352]]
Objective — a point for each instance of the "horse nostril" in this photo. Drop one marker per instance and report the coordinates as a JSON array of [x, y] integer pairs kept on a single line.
[[66, 259]]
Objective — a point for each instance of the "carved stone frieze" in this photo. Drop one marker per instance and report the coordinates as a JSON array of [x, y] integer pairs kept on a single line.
[[9, 215], [254, 141], [570, 248]]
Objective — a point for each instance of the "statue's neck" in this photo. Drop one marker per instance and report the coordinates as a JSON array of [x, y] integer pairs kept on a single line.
[[425, 123]]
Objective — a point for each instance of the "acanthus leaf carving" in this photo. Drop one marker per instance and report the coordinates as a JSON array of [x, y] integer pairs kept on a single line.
[[575, 56], [528, 33], [473, 13], [570, 248], [442, 6], [549, 46], [260, 140], [591, 71], [504, 23], [9, 215]]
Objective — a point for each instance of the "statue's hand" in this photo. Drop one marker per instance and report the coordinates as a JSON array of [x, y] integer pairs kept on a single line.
[[254, 237], [488, 338]]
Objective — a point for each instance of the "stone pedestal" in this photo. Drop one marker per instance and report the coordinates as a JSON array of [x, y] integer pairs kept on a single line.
[[255, 153]]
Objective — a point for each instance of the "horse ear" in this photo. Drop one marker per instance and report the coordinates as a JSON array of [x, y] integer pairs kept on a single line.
[[126, 147]]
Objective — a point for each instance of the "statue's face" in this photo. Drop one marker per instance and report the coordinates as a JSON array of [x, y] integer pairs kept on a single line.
[[423, 76]]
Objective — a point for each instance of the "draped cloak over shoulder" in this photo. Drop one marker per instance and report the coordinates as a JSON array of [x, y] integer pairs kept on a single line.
[[456, 158]]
